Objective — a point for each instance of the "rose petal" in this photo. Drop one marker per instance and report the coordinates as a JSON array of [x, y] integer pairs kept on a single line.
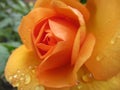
[[29, 22], [85, 51], [59, 5], [63, 48], [53, 70], [62, 29], [58, 77], [58, 58], [80, 36], [111, 84], [21, 66], [105, 25]]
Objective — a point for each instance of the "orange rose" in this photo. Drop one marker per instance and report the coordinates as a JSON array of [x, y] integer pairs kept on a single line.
[[58, 47], [55, 31]]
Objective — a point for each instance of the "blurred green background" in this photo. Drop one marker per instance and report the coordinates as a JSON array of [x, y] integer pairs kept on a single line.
[[11, 12]]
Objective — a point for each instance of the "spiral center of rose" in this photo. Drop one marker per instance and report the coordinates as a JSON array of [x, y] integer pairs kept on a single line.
[[49, 38], [49, 32]]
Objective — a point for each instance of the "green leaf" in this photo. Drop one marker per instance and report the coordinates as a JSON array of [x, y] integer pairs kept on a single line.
[[11, 45], [83, 1], [3, 58], [5, 22]]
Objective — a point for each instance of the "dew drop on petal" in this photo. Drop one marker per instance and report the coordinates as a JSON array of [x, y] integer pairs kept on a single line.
[[30, 67], [27, 79], [33, 71], [100, 57], [87, 77], [112, 41], [15, 76], [39, 87], [115, 38], [18, 71], [16, 84], [10, 78], [21, 78], [79, 86]]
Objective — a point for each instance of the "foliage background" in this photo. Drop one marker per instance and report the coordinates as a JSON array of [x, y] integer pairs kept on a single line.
[[11, 12]]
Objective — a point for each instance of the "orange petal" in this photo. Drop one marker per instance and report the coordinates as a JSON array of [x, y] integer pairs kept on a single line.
[[29, 22], [85, 51], [57, 78], [79, 38], [20, 69], [105, 25], [59, 5], [63, 29], [59, 57]]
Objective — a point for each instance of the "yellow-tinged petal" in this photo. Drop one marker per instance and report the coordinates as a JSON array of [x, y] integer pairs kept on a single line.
[[105, 25], [20, 69], [111, 84]]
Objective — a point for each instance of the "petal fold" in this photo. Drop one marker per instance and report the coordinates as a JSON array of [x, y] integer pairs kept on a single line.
[[85, 51], [30, 21], [58, 77], [59, 5], [105, 25]]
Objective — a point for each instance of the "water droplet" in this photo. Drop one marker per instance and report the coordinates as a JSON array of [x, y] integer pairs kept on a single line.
[[79, 86], [115, 38], [27, 79], [15, 84], [15, 76], [21, 78], [87, 77], [10, 78], [39, 88], [99, 57], [18, 71], [112, 41], [33, 71], [32, 68]]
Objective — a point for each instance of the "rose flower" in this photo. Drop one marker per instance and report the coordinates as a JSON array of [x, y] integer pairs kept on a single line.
[[65, 50]]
